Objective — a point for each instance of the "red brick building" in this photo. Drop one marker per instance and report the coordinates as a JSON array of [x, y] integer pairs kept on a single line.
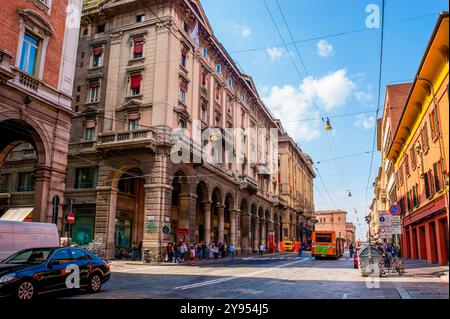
[[37, 64]]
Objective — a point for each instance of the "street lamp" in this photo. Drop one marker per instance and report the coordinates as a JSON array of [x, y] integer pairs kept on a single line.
[[328, 126]]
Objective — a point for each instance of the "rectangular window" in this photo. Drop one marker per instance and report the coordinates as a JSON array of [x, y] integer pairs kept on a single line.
[[29, 54], [183, 57], [230, 83], [86, 177], [413, 158], [243, 97], [135, 84], [133, 125], [182, 94], [138, 47], [140, 18], [186, 27], [94, 91], [203, 112], [437, 176], [97, 57], [426, 180], [407, 164], [434, 124], [218, 68], [4, 183], [100, 28], [424, 135], [205, 52], [90, 133], [26, 182]]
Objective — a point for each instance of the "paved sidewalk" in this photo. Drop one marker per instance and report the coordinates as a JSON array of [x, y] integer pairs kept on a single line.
[[421, 269], [254, 256]]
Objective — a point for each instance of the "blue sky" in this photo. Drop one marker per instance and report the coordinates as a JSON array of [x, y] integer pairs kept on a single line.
[[343, 77]]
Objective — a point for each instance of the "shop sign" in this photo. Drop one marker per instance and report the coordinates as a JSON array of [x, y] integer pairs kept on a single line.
[[182, 231]]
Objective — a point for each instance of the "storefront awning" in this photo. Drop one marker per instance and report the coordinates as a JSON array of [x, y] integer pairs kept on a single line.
[[18, 214]]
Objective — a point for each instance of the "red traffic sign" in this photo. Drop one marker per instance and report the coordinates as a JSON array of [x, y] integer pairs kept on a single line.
[[395, 210], [70, 218]]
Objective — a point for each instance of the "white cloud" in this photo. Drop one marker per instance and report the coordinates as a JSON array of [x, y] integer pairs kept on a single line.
[[324, 48], [275, 53], [365, 97], [333, 89], [364, 121], [243, 30], [290, 104]]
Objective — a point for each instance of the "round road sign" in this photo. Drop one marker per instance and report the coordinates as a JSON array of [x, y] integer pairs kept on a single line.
[[394, 210], [71, 218]]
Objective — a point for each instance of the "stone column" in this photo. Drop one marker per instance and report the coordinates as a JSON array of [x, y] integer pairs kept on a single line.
[[207, 222], [233, 214], [221, 223], [430, 243], [263, 233], [105, 220], [256, 236], [245, 232]]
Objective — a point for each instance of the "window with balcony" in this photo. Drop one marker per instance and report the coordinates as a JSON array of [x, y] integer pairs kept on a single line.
[[133, 124], [26, 182], [97, 56], [184, 53], [138, 47], [182, 93], [135, 84], [29, 54], [100, 28], [90, 133], [434, 124], [86, 177], [94, 91]]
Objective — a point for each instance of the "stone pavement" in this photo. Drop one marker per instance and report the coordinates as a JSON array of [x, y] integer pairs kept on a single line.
[[421, 269]]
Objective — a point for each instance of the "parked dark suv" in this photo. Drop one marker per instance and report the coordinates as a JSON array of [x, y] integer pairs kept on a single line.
[[39, 270]]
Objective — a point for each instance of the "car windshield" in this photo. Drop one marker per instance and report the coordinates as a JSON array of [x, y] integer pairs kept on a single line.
[[29, 256]]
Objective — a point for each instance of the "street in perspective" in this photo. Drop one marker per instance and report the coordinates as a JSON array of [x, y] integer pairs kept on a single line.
[[252, 150]]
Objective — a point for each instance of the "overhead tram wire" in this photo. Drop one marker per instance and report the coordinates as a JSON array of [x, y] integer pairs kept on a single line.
[[379, 95], [330, 141]]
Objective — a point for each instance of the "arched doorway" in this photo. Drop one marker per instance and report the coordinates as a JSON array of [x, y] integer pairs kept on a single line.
[[180, 208], [202, 202], [28, 182], [129, 224], [216, 209]]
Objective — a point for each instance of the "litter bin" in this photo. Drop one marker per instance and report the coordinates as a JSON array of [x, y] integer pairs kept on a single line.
[[369, 261], [146, 255]]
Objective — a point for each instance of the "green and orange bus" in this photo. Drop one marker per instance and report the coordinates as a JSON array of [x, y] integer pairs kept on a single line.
[[327, 244]]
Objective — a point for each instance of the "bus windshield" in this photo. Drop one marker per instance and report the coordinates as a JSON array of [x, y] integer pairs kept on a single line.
[[323, 238]]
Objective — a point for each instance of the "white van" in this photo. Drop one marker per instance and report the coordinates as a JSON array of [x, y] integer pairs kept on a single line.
[[15, 236]]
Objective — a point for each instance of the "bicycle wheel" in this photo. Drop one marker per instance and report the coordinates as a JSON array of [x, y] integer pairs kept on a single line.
[[400, 268]]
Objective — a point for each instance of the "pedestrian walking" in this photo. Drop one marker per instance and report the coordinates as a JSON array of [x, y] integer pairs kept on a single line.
[[260, 249], [182, 251], [134, 252], [351, 249], [169, 252], [300, 251], [232, 249], [193, 255], [139, 250], [204, 248]]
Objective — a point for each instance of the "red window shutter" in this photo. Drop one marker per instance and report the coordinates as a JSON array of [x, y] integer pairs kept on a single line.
[[97, 51], [135, 81], [138, 47], [183, 52]]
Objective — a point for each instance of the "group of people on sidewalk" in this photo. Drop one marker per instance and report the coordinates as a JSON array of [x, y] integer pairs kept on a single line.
[[179, 252]]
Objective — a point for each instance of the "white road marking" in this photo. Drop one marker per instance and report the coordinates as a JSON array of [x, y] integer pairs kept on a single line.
[[402, 292], [215, 281]]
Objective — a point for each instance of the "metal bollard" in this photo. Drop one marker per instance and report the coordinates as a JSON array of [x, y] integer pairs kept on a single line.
[[146, 255]]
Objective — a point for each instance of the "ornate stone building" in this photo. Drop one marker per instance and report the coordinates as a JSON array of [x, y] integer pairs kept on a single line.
[[296, 194], [145, 70], [37, 54]]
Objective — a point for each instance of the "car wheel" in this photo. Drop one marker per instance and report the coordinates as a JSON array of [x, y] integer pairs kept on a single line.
[[95, 283], [25, 290]]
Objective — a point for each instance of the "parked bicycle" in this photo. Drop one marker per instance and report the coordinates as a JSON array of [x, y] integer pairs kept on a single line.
[[390, 264]]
